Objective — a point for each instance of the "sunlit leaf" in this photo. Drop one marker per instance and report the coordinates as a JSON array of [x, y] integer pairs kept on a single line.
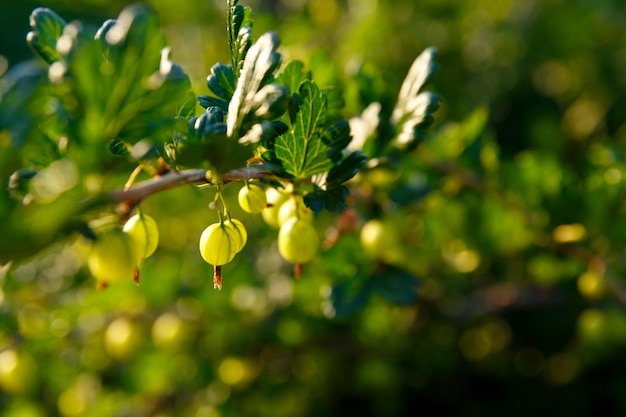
[[293, 75], [302, 149], [47, 27], [414, 109], [258, 68]]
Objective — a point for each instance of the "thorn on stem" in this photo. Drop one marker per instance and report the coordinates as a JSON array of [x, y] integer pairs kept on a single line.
[[217, 277]]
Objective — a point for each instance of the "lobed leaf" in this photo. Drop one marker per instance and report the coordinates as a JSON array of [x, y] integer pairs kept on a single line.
[[221, 81], [302, 149], [346, 168], [363, 127], [208, 101], [128, 86], [414, 109], [333, 198], [293, 75], [258, 68], [337, 137], [420, 72], [47, 27]]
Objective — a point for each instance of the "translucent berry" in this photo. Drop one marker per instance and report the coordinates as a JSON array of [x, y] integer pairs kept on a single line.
[[219, 244], [298, 242], [113, 256], [144, 231], [252, 198]]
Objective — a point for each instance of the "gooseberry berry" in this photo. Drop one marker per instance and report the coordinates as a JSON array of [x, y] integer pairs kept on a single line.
[[252, 198], [144, 231], [379, 239], [240, 229], [275, 199], [294, 207], [219, 244], [298, 242], [113, 256]]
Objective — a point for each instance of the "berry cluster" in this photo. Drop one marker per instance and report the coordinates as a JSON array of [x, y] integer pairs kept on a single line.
[[117, 251]]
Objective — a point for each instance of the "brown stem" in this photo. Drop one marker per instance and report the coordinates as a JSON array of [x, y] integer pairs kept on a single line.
[[172, 179], [138, 192], [253, 172], [217, 277]]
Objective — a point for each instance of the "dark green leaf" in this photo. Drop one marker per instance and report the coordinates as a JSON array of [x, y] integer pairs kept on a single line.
[[395, 285], [350, 296], [334, 100], [208, 101], [118, 148], [337, 137], [346, 169], [222, 81], [47, 27], [268, 152], [415, 188], [333, 198]]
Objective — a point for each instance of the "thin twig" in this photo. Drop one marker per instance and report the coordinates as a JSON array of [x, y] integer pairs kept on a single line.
[[169, 180], [172, 179]]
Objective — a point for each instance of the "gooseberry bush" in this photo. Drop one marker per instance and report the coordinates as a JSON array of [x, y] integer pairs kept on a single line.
[[438, 263], [113, 97]]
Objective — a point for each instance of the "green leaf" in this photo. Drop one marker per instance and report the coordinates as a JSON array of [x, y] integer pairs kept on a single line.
[[267, 151], [414, 109], [127, 85], [395, 285], [221, 81], [118, 148], [458, 137], [239, 28], [302, 150], [333, 198], [19, 88], [346, 169], [252, 93], [334, 100], [337, 137], [47, 28], [208, 101], [293, 75], [206, 145], [103, 30], [350, 296]]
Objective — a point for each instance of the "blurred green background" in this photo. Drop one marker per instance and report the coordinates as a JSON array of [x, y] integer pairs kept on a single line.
[[521, 307]]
